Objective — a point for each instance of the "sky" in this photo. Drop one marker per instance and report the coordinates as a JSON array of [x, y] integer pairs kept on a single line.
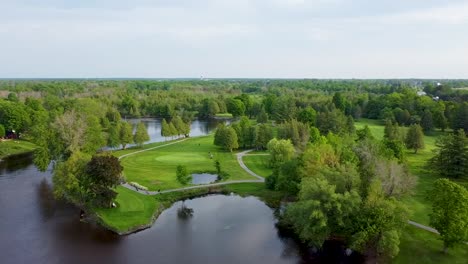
[[233, 39]]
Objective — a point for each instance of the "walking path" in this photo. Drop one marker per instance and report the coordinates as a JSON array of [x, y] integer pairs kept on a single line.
[[427, 228]]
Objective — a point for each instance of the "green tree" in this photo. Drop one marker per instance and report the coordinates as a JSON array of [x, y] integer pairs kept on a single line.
[[320, 211], [103, 174], [141, 134], [113, 137], [339, 101], [182, 175], [364, 133], [427, 123], [451, 156], [165, 129], [173, 129], [226, 137], [179, 125], [263, 134], [126, 135], [281, 151], [449, 212], [235, 106], [2, 131], [415, 138], [307, 116], [262, 116]]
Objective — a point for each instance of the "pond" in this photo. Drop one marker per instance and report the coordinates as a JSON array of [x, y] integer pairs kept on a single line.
[[197, 127], [35, 228], [203, 178]]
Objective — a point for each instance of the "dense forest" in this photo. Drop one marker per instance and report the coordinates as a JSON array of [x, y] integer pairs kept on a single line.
[[345, 183]]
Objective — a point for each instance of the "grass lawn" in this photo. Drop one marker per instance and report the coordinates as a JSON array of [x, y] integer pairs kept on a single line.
[[133, 210], [119, 153], [156, 169], [421, 246], [11, 147], [258, 164]]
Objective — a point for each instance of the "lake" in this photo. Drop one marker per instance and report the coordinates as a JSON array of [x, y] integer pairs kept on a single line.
[[35, 228]]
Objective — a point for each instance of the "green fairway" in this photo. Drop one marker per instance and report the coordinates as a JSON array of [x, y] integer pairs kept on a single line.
[[258, 164], [133, 210], [12, 147], [421, 246], [156, 168]]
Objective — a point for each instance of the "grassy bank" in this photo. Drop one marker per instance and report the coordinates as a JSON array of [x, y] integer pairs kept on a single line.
[[156, 169], [136, 211], [13, 147]]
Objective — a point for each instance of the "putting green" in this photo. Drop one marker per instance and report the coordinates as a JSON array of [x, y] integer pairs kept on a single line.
[[156, 168]]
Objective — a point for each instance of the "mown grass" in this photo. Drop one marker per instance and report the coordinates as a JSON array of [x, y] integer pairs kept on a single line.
[[133, 210], [227, 115], [421, 246], [13, 147], [258, 164], [156, 169]]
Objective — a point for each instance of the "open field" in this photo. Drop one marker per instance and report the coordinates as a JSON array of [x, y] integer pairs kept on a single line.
[[156, 168], [12, 147]]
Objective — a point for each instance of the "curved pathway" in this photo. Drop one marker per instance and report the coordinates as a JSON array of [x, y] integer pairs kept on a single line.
[[239, 155]]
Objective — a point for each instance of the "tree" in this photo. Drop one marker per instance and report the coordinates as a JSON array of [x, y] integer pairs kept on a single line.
[[378, 224], [113, 137], [235, 106], [364, 134], [126, 135], [320, 211], [440, 121], [427, 123], [451, 158], [2, 131], [179, 125], [281, 151], [415, 138], [392, 130], [173, 129], [182, 175], [263, 134], [103, 174], [226, 137], [262, 116], [165, 129], [307, 116], [141, 134], [339, 101], [350, 128], [449, 212]]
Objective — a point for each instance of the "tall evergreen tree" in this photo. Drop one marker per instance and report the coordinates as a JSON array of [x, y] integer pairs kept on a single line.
[[165, 129], [427, 123], [451, 158], [126, 135], [141, 134]]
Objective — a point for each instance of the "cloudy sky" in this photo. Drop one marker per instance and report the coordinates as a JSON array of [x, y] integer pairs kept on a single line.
[[234, 38]]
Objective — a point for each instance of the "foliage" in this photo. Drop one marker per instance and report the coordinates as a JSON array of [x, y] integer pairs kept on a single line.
[[451, 156], [449, 212], [281, 151], [103, 174], [414, 138], [182, 175], [226, 137], [126, 135], [141, 134]]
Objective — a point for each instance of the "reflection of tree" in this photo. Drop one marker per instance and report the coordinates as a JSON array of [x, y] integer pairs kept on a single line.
[[184, 212], [46, 199]]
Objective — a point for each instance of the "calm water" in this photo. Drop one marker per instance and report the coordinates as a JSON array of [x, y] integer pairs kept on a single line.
[[35, 228], [203, 178], [197, 127]]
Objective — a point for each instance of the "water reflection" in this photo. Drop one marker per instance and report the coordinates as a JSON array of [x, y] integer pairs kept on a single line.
[[197, 127]]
